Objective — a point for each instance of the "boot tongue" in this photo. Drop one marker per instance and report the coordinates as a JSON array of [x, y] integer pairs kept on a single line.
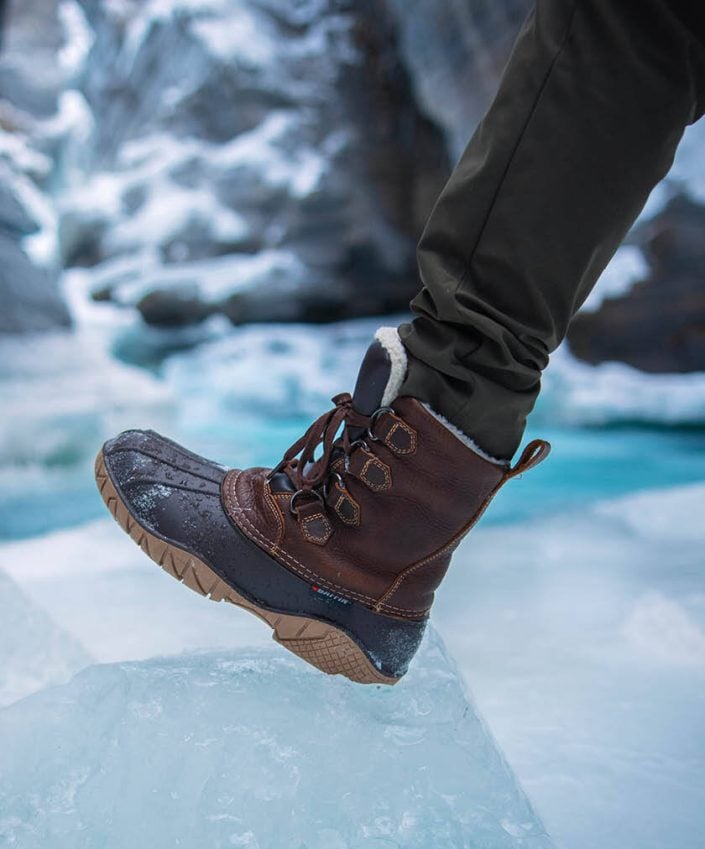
[[381, 374], [382, 370], [372, 379]]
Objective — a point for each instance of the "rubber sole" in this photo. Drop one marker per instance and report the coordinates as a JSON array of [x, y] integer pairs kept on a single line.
[[319, 643]]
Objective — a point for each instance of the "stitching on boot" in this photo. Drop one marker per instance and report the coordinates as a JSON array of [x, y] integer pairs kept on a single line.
[[304, 572], [320, 539], [274, 507], [449, 546], [383, 467], [296, 566], [346, 499], [389, 441]]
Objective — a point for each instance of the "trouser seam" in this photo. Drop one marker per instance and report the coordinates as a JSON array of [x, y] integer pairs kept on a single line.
[[500, 184]]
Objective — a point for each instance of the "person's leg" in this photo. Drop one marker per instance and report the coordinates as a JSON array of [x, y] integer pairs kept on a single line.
[[589, 112], [342, 545]]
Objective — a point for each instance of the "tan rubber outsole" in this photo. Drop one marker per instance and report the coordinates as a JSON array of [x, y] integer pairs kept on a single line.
[[318, 643]]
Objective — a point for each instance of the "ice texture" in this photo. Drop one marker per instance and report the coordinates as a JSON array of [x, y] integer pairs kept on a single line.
[[62, 394], [34, 651], [583, 634], [255, 749], [98, 583]]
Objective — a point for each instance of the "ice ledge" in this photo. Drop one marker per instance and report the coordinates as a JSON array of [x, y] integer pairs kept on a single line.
[[252, 748]]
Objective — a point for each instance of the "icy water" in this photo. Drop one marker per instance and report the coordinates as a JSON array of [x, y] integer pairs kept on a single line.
[[576, 613]]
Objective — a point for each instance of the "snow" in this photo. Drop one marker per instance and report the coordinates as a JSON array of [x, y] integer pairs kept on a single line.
[[661, 630], [245, 38], [78, 36], [304, 369], [41, 245], [34, 652], [253, 748], [266, 150], [626, 267], [687, 172], [578, 393], [168, 210], [62, 396]]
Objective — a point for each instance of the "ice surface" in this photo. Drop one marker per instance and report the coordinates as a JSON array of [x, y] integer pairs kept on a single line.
[[62, 395], [583, 635], [255, 749], [97, 583], [34, 651]]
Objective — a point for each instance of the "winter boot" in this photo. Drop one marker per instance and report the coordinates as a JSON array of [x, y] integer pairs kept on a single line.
[[341, 546]]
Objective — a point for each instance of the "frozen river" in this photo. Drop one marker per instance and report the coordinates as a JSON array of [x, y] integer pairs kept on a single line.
[[575, 613]]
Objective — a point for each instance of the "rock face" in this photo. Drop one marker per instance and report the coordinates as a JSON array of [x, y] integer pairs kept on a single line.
[[30, 35], [251, 129], [30, 38], [456, 53], [659, 326], [29, 299]]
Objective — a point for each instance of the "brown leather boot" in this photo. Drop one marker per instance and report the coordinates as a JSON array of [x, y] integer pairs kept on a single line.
[[342, 545]]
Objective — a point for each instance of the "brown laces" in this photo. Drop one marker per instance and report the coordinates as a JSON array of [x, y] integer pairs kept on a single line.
[[305, 471]]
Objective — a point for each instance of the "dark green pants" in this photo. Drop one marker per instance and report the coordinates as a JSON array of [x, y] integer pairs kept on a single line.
[[592, 104]]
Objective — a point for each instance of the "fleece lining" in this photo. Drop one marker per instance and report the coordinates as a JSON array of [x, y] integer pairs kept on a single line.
[[388, 337]]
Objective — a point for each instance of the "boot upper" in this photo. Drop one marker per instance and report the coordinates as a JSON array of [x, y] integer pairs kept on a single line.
[[384, 513]]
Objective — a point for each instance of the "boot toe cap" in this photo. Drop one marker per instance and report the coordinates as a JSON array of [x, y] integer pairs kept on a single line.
[[167, 489]]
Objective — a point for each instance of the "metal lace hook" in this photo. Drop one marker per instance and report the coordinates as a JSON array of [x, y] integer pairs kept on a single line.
[[373, 418], [292, 503]]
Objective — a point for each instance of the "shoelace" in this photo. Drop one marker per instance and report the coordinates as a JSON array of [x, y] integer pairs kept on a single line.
[[306, 472]]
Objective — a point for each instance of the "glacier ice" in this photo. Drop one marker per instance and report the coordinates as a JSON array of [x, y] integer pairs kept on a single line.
[[62, 395], [583, 634], [97, 583], [34, 651], [254, 749]]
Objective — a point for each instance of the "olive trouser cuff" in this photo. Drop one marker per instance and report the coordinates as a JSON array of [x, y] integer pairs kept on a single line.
[[589, 112]]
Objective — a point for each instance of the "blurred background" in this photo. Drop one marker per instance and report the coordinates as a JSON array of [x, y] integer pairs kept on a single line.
[[206, 209]]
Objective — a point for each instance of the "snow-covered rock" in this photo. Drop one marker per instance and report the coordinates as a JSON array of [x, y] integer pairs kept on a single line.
[[29, 298], [239, 127], [32, 36], [34, 651], [255, 749], [578, 393], [456, 53], [658, 325]]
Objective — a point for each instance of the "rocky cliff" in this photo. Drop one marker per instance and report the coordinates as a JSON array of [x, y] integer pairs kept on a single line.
[[271, 161], [29, 299], [30, 34], [258, 158], [455, 51], [659, 325]]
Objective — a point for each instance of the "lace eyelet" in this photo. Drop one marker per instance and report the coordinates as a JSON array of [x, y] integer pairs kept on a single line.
[[359, 443], [338, 477], [292, 503], [373, 418]]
